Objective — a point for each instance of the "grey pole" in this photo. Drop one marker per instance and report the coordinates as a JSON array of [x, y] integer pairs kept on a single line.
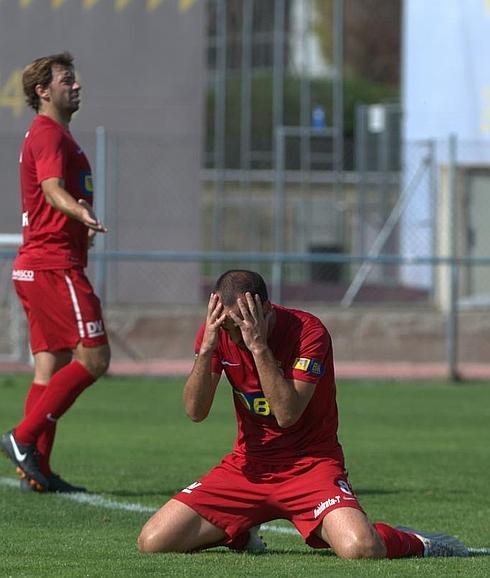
[[247, 208], [431, 151], [278, 144], [219, 125], [452, 321], [278, 69], [279, 210], [100, 201], [246, 88], [338, 89]]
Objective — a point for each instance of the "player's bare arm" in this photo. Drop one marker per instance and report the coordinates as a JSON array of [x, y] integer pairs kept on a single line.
[[59, 198], [201, 384], [287, 398]]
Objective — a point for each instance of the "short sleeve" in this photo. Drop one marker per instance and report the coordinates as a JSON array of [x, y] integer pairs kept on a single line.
[[49, 153], [216, 366], [314, 353]]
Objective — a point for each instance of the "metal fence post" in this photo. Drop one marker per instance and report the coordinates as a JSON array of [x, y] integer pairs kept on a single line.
[[452, 321], [279, 215], [219, 160], [100, 202]]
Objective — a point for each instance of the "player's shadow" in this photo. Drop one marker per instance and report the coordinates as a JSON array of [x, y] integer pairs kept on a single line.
[[122, 493], [378, 491], [300, 551], [163, 492]]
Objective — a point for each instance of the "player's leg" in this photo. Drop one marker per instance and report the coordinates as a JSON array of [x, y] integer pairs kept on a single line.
[[351, 535], [178, 528], [95, 360], [332, 515], [45, 365], [63, 314], [223, 508]]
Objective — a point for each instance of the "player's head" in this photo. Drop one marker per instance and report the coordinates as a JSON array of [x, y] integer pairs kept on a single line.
[[56, 71], [233, 285], [236, 282]]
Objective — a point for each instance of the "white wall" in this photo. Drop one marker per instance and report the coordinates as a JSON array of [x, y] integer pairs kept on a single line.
[[445, 89]]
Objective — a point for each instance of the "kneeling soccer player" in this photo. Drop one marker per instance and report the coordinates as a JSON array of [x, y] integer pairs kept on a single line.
[[287, 462]]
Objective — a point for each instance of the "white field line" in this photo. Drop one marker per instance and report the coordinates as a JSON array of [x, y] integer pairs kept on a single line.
[[101, 502]]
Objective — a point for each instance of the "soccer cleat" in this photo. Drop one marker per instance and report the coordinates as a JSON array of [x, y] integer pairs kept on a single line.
[[255, 544], [56, 484], [25, 458], [438, 544]]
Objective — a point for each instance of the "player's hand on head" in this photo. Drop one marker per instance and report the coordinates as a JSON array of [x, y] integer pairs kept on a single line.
[[89, 219], [214, 319], [253, 324]]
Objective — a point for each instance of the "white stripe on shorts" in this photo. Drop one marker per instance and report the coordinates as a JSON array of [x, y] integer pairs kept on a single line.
[[76, 306]]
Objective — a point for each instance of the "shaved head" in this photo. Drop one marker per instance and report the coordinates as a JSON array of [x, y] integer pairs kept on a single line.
[[237, 282]]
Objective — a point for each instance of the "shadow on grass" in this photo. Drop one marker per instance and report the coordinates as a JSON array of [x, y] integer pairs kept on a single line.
[[164, 493], [378, 491], [304, 551]]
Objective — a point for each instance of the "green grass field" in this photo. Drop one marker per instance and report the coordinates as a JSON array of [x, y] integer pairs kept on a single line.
[[418, 455]]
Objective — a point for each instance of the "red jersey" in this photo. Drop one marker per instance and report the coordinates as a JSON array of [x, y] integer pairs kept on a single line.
[[51, 240], [302, 348]]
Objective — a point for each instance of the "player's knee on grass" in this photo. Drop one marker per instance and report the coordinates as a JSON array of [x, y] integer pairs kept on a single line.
[[149, 543], [153, 540], [354, 547]]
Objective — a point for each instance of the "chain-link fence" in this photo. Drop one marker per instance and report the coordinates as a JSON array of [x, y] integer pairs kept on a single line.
[[407, 248]]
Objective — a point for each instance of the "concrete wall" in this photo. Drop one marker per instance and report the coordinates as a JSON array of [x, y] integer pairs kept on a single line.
[[141, 65]]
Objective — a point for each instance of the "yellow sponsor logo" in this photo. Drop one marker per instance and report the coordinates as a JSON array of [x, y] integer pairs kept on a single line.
[[89, 188], [302, 363], [309, 366]]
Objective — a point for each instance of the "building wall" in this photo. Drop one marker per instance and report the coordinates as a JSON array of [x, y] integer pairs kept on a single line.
[[141, 69]]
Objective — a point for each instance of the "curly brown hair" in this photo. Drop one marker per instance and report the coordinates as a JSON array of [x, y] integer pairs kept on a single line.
[[40, 71]]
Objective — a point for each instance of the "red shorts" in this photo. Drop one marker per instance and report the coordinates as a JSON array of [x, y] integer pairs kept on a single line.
[[61, 307], [236, 495]]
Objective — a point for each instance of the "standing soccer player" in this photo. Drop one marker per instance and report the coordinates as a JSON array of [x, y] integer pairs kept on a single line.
[[67, 334], [287, 462]]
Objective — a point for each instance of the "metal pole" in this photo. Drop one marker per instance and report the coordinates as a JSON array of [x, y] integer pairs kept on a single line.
[[100, 202], [278, 69], [246, 86], [248, 207], [279, 216], [278, 143], [452, 321], [431, 151], [305, 98], [338, 90], [303, 234], [360, 157], [219, 124]]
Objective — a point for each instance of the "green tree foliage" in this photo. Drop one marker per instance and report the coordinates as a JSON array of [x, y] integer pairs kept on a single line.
[[372, 33]]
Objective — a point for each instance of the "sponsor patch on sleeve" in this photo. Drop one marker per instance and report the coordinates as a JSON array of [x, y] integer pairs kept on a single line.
[[310, 366], [86, 184]]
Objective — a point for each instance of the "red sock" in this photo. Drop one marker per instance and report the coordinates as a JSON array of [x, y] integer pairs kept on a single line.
[[62, 390], [45, 441], [399, 544]]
